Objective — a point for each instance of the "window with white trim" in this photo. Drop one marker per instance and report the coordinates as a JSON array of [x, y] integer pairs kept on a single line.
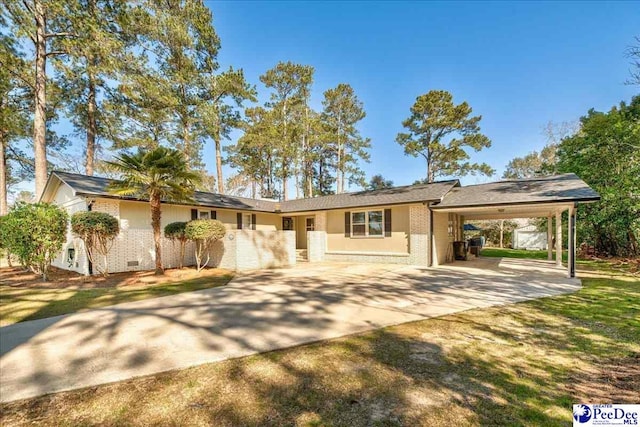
[[367, 224], [246, 222], [204, 215]]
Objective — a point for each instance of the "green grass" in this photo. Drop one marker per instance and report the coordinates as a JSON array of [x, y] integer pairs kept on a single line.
[[19, 304], [586, 264], [520, 364], [519, 253]]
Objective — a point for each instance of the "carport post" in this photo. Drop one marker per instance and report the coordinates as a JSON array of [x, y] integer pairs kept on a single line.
[[571, 244], [549, 237], [559, 239]]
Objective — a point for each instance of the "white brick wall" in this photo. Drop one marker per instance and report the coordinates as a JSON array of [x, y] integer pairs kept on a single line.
[[136, 246], [316, 245], [80, 262], [254, 249], [371, 257]]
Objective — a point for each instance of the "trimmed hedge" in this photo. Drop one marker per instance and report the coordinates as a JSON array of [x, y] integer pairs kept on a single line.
[[204, 232], [176, 231], [97, 230]]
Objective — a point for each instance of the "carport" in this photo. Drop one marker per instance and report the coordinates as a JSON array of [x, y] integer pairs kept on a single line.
[[543, 197]]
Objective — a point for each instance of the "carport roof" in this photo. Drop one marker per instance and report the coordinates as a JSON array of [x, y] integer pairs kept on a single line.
[[549, 189]]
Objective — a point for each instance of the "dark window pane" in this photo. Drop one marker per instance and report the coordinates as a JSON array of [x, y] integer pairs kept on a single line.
[[375, 216], [358, 230], [375, 229], [358, 218]]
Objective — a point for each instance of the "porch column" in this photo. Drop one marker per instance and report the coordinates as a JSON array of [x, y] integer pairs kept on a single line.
[[559, 239], [571, 243], [549, 238]]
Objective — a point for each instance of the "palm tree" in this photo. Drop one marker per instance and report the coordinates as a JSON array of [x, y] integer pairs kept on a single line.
[[157, 175]]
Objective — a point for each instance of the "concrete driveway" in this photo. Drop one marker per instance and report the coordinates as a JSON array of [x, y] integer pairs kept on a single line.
[[256, 312]]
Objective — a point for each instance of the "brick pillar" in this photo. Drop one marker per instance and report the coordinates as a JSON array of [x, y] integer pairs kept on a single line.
[[419, 235]]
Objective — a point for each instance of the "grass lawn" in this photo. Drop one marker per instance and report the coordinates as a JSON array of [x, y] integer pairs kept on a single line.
[[611, 266], [520, 364], [519, 253], [23, 297]]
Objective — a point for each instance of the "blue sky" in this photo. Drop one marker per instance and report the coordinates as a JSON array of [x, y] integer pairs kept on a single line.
[[519, 65]]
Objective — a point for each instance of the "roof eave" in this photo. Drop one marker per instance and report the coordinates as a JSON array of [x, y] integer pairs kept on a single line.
[[478, 205], [135, 199]]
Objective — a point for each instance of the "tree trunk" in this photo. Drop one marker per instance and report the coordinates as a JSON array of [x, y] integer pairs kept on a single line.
[[182, 245], [91, 125], [39, 117], [285, 190], [338, 168], [501, 233], [155, 224], [219, 162], [3, 178]]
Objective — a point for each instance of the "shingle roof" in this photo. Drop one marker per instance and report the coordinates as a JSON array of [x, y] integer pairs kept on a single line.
[[97, 186], [557, 188], [387, 196], [446, 194]]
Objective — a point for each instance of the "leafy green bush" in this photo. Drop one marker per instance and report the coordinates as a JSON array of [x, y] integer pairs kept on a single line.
[[205, 232], [4, 247], [97, 230], [176, 231], [35, 233]]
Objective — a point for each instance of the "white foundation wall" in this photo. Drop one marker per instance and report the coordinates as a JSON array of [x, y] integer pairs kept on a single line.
[[134, 250], [254, 249]]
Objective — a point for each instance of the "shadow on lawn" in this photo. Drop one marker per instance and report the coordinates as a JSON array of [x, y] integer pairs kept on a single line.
[[474, 370], [516, 365], [258, 312]]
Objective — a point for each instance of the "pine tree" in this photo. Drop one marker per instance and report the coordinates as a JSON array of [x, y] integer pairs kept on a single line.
[[93, 56], [291, 85], [341, 114], [434, 117], [38, 23]]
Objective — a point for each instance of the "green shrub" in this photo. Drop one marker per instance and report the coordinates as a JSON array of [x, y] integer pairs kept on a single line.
[[205, 232], [35, 234], [4, 247], [176, 232], [98, 231]]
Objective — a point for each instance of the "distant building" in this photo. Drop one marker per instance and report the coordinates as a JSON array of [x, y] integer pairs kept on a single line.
[[529, 238]]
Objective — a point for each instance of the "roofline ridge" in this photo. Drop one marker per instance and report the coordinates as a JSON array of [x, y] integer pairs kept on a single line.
[[534, 178]]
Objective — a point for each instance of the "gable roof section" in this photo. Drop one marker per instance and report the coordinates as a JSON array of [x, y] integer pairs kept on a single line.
[[549, 189], [388, 196], [84, 185]]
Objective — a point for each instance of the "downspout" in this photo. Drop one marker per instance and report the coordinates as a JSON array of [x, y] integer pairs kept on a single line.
[[89, 263], [430, 234]]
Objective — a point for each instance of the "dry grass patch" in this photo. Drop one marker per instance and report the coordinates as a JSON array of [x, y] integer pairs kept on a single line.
[[521, 364], [24, 297]]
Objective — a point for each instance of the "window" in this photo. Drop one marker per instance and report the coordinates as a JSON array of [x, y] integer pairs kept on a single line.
[[375, 223], [367, 224], [311, 223], [204, 215], [246, 221]]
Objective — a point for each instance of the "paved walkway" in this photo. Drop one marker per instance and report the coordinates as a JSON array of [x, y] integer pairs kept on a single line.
[[256, 312]]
